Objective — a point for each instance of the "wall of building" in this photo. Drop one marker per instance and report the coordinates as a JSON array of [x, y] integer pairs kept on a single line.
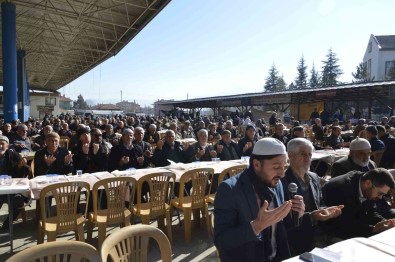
[[378, 59]]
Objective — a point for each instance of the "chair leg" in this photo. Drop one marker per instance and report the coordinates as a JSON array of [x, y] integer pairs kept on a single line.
[[208, 224], [51, 236], [145, 220], [23, 215], [168, 224], [101, 234], [196, 217], [90, 226], [80, 233], [187, 224], [178, 214], [41, 235], [161, 222], [127, 221]]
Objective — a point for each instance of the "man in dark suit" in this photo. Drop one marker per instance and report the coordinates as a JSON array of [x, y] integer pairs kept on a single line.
[[246, 144], [226, 148], [335, 140], [145, 147], [279, 133], [301, 239], [203, 151], [358, 159], [52, 159], [172, 150], [359, 193], [250, 207], [388, 158]]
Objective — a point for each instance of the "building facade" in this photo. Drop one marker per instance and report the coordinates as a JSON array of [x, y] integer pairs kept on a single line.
[[379, 57], [42, 103]]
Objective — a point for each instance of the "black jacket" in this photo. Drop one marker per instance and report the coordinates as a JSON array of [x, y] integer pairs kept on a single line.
[[57, 167], [357, 219], [175, 153]]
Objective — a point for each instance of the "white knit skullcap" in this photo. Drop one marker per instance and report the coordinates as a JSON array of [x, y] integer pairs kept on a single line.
[[269, 146], [360, 144]]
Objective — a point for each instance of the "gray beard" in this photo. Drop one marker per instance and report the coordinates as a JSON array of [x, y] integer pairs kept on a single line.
[[360, 163]]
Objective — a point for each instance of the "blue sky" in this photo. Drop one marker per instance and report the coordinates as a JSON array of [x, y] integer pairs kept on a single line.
[[201, 48]]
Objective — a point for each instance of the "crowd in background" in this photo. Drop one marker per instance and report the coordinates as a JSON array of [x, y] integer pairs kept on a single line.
[[64, 144]]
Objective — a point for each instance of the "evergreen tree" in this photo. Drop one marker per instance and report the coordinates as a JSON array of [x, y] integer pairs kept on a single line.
[[301, 79], [274, 82], [361, 75], [291, 86], [271, 80], [281, 84], [330, 70], [314, 78], [80, 103]]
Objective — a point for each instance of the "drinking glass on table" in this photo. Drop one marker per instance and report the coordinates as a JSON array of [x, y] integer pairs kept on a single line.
[[79, 173], [131, 171]]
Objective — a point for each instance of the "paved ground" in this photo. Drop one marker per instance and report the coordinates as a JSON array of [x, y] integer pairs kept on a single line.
[[201, 247]]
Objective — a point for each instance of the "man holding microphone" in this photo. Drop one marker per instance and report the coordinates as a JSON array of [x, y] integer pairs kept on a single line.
[[249, 208], [303, 238]]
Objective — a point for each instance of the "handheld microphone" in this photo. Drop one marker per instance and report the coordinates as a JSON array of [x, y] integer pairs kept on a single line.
[[293, 189]]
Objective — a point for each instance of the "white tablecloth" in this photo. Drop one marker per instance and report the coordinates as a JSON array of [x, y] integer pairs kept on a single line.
[[18, 186], [378, 248]]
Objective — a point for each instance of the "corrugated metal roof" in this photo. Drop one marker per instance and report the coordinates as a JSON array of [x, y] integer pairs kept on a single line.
[[263, 94], [64, 39]]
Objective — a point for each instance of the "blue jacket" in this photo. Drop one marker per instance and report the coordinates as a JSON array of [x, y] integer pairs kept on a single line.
[[235, 207]]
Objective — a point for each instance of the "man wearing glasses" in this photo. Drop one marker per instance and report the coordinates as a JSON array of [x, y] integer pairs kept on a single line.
[[20, 142], [361, 194]]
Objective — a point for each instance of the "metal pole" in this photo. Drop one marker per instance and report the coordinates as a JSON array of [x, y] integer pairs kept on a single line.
[[8, 20]]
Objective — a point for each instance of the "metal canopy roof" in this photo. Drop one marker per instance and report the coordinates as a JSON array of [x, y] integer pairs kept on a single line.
[[64, 39], [349, 92]]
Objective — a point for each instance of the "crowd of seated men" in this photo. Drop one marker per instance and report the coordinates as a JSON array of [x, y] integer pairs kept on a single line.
[[122, 142], [85, 134]]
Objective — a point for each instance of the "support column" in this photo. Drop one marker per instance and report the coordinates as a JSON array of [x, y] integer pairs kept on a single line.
[[8, 20], [23, 89]]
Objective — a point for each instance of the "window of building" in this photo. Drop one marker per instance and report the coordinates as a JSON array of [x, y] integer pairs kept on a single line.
[[41, 114], [50, 101], [64, 104], [388, 66], [1, 99], [369, 67], [370, 47]]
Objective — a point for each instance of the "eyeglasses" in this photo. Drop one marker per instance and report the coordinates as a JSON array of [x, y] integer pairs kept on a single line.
[[380, 193]]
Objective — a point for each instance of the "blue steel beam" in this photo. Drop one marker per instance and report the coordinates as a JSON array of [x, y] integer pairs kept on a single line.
[[8, 20]]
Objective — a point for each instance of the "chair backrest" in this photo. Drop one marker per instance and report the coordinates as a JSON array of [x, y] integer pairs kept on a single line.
[[55, 251], [64, 141], [362, 134], [153, 147], [376, 156], [131, 244], [32, 168], [161, 187], [231, 171], [67, 197], [199, 178], [117, 189]]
